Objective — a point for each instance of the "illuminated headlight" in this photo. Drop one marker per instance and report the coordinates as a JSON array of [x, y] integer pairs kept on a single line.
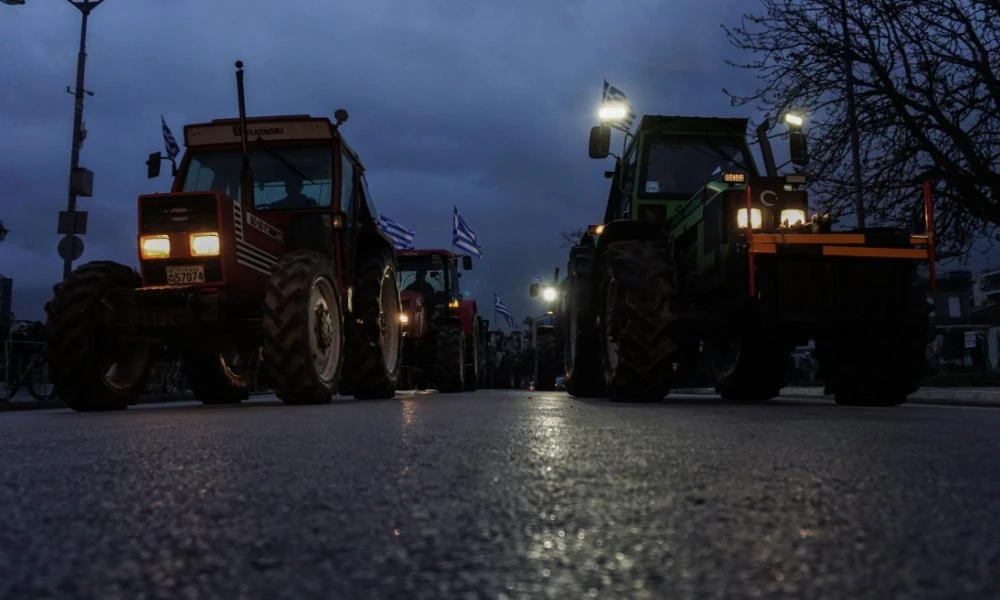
[[453, 304], [549, 294], [404, 318], [612, 112], [154, 246], [756, 218], [205, 244], [731, 177], [793, 216]]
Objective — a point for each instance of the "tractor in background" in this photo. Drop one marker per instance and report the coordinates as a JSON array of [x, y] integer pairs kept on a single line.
[[443, 338], [548, 335], [265, 254], [702, 262]]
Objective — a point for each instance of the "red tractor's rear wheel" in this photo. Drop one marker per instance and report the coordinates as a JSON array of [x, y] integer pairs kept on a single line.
[[303, 328], [377, 349]]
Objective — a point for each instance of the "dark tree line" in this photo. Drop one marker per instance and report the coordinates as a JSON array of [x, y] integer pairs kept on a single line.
[[927, 81]]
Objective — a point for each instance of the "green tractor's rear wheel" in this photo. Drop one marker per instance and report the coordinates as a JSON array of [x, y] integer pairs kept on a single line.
[[637, 349], [584, 378], [303, 328], [378, 345], [92, 368], [223, 377], [449, 358]]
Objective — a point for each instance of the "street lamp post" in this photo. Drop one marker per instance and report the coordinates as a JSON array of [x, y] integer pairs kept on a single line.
[[76, 186]]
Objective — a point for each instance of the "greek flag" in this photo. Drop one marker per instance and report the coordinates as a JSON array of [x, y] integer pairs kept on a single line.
[[168, 140], [613, 95], [402, 237], [463, 238], [499, 308]]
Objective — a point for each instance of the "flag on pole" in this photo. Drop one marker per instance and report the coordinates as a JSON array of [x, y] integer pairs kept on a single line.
[[168, 140], [463, 237], [402, 237], [501, 309], [612, 95]]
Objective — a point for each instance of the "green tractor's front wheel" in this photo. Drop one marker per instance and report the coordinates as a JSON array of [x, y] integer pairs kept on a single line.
[[637, 353]]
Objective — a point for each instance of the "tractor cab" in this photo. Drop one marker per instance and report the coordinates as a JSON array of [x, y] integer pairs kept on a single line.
[[433, 274]]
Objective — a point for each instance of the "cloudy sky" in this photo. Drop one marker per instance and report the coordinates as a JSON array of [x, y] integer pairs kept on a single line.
[[480, 105]]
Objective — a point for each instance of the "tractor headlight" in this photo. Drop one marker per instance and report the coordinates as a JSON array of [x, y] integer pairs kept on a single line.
[[205, 244], [793, 216], [756, 218], [154, 246], [549, 294], [453, 304], [404, 318]]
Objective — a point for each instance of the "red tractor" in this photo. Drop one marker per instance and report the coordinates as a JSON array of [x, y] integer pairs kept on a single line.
[[267, 248], [441, 330]]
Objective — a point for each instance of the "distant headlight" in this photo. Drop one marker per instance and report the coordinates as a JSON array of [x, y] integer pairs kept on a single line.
[[793, 216], [404, 318], [154, 246], [756, 218], [205, 244], [453, 304]]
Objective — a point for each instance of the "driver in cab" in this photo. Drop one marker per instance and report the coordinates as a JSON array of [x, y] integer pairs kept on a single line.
[[294, 198], [421, 286]]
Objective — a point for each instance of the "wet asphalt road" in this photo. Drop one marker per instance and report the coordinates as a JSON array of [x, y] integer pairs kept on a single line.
[[493, 495]]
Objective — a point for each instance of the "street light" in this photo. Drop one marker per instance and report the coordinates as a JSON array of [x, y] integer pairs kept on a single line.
[[80, 180], [794, 120]]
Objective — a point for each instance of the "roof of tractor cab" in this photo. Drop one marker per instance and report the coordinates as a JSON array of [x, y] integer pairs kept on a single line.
[[267, 128], [686, 125], [427, 252]]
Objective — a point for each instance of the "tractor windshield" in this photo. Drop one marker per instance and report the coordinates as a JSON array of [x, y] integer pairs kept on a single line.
[[284, 178], [426, 275], [681, 168]]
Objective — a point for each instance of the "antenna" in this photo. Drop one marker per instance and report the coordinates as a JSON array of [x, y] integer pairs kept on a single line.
[[246, 176]]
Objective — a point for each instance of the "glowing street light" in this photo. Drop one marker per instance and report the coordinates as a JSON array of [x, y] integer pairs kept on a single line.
[[794, 120], [614, 111], [549, 294]]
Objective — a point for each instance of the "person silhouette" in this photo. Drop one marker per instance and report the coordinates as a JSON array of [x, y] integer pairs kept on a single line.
[[294, 198], [420, 285]]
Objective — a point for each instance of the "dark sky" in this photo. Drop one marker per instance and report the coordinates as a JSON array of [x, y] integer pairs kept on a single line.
[[480, 105]]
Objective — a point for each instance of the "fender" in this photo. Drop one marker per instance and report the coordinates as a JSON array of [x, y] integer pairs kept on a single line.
[[618, 231]]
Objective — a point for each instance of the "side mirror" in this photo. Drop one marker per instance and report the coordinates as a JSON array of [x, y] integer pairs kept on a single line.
[[600, 141], [153, 165], [467, 262], [797, 148], [533, 290]]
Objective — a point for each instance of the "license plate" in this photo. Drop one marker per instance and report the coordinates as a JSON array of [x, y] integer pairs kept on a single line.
[[186, 275]]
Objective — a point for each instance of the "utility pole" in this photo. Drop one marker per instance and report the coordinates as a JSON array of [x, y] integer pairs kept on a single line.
[[852, 117], [80, 180]]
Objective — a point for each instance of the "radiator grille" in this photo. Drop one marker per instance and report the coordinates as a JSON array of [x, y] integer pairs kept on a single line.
[[168, 214]]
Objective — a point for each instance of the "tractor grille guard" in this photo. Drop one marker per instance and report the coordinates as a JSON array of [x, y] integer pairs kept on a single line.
[[843, 244]]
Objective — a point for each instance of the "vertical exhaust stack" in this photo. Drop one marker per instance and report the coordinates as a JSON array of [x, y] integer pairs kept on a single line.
[[246, 176]]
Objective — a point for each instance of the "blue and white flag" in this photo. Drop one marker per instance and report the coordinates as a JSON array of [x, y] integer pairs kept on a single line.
[[501, 309], [402, 237], [612, 95], [168, 140], [463, 237]]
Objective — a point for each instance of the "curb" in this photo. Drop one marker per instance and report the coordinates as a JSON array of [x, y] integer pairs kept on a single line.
[[955, 397]]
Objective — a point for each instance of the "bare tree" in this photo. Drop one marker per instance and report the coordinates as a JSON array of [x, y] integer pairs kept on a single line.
[[571, 237], [927, 81]]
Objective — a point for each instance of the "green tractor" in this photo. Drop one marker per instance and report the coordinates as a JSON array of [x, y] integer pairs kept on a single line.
[[703, 264]]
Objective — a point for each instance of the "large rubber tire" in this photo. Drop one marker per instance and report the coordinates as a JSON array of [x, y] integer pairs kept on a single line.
[[878, 365], [78, 345], [547, 348], [584, 378], [377, 346], [220, 377], [472, 357], [637, 352], [303, 329], [449, 358]]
